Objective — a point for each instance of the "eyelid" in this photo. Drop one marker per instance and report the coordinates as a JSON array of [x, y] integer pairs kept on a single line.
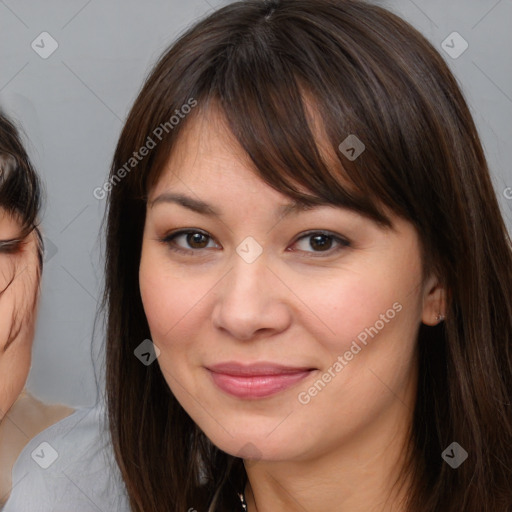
[[343, 242]]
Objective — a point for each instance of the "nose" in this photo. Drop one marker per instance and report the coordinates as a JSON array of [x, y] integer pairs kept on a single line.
[[251, 301]]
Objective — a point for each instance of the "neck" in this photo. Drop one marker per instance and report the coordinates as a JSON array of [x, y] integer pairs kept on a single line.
[[10, 419], [13, 437]]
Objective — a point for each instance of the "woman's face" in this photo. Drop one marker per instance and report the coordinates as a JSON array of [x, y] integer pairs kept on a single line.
[[19, 277], [280, 342]]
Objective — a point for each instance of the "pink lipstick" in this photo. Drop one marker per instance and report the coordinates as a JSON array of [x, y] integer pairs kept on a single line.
[[259, 380]]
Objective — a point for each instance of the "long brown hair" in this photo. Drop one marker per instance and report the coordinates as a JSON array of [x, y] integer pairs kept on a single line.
[[367, 73]]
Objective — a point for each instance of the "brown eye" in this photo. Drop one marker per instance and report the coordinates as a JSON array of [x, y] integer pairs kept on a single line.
[[322, 242], [194, 241]]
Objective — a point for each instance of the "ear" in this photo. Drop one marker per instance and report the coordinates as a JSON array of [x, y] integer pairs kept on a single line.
[[434, 302]]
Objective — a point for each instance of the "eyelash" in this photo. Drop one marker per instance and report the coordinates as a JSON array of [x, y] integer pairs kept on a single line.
[[169, 241]]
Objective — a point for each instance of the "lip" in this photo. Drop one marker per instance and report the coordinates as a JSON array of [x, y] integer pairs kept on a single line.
[[257, 380]]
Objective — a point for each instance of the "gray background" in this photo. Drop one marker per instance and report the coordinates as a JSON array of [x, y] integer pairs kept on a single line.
[[73, 103]]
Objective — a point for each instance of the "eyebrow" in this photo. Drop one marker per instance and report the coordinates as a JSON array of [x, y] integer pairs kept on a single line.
[[204, 208]]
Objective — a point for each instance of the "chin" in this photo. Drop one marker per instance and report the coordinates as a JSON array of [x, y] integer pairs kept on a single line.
[[256, 444]]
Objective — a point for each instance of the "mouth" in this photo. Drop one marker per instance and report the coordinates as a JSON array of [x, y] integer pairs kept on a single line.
[[258, 380]]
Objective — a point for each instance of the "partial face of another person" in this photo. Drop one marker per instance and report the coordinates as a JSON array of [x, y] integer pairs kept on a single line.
[[284, 337], [19, 276]]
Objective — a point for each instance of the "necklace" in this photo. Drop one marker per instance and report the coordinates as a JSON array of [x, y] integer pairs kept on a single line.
[[242, 500]]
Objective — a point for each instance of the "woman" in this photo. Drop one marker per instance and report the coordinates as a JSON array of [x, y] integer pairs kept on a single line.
[[51, 457], [309, 280]]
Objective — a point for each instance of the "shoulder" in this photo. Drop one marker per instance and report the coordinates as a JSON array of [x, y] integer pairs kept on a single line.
[[27, 418], [69, 466]]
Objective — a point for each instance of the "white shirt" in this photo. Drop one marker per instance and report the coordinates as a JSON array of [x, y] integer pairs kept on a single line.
[[69, 467]]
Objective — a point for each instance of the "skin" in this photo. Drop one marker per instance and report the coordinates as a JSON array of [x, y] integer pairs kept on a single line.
[[21, 415], [18, 297], [298, 307]]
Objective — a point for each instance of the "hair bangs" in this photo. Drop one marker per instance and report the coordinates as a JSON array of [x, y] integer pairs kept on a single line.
[[276, 121]]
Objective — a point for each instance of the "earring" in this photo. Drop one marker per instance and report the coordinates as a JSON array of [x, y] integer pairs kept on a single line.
[[440, 317]]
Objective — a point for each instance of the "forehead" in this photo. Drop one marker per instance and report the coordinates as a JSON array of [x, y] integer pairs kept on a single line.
[[206, 137], [207, 160], [206, 151]]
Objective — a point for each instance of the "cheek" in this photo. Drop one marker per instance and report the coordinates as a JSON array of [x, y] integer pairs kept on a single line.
[[14, 368], [362, 314], [157, 300], [16, 315], [14, 361], [18, 312], [172, 305], [367, 322], [367, 359], [171, 300], [371, 352], [336, 311]]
